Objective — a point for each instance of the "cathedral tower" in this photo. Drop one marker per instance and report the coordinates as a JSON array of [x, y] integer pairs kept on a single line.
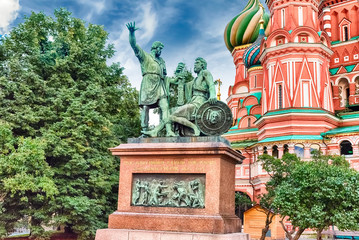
[[297, 83], [297, 97]]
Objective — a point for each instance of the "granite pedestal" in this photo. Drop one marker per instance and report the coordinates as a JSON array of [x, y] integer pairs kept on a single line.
[[208, 158]]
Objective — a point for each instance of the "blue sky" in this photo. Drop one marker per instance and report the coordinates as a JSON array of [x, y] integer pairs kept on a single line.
[[188, 29]]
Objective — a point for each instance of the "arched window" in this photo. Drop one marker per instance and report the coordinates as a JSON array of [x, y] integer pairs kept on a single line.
[[283, 17], [345, 33], [249, 122], [265, 150], [243, 203], [300, 16], [275, 152], [357, 85], [343, 87], [280, 97], [346, 148], [255, 81], [299, 150], [285, 149], [314, 147], [347, 93]]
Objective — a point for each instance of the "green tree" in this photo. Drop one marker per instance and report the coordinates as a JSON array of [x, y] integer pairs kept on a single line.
[[321, 193], [277, 169], [56, 85], [26, 182], [315, 194]]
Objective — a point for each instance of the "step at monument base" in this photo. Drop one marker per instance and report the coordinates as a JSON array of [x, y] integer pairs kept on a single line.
[[217, 224], [127, 234]]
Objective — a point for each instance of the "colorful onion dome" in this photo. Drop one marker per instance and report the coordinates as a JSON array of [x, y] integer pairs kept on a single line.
[[244, 28], [251, 55]]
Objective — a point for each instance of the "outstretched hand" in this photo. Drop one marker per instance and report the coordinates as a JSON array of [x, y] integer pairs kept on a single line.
[[212, 100], [131, 26]]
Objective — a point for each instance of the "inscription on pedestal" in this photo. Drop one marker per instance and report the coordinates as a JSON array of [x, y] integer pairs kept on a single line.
[[169, 190], [168, 165]]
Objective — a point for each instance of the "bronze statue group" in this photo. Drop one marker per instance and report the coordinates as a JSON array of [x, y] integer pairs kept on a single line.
[[154, 93]]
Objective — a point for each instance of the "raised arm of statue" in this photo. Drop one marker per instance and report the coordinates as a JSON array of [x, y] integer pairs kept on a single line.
[[212, 88], [132, 28]]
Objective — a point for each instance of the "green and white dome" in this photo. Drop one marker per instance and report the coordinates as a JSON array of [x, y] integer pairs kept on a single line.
[[244, 28]]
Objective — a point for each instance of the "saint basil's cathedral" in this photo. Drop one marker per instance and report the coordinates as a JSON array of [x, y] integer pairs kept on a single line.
[[297, 83]]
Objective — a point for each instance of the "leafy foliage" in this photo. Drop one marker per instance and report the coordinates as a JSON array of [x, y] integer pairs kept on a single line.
[[314, 194], [242, 203], [277, 169], [318, 194], [242, 200], [56, 86], [26, 181]]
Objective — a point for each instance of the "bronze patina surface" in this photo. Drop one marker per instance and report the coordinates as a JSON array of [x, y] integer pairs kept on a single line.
[[169, 190], [197, 111]]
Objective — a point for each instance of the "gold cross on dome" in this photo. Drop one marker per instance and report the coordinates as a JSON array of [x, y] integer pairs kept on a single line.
[[219, 83]]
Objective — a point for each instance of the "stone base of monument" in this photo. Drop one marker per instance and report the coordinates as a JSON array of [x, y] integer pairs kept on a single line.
[[125, 234], [175, 186]]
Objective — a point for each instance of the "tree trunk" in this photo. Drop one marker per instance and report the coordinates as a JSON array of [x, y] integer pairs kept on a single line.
[[319, 234], [240, 225], [269, 219], [298, 233], [287, 233], [264, 232], [36, 229]]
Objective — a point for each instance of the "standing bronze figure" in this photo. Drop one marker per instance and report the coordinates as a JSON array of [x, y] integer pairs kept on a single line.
[[153, 91]]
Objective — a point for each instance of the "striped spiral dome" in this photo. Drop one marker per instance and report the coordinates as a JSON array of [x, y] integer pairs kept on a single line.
[[244, 28], [251, 55]]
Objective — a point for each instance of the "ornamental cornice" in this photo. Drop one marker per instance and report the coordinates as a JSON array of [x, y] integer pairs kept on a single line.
[[255, 68], [297, 114], [241, 47], [288, 142], [345, 43], [298, 48], [342, 135], [300, 3], [272, 4], [332, 5], [229, 133], [237, 95]]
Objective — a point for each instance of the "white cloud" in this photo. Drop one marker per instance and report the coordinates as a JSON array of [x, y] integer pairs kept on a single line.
[[210, 45], [152, 19], [149, 21], [147, 24], [94, 7], [8, 12], [219, 61], [97, 6], [169, 13]]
